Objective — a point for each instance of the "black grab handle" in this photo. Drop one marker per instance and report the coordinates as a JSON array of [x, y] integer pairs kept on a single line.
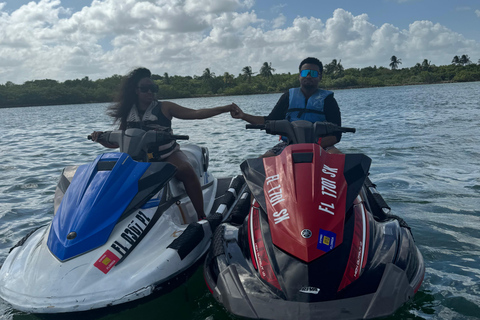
[[345, 129], [255, 126], [179, 137]]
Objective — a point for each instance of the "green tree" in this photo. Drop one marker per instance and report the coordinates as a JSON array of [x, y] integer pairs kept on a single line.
[[228, 79], [395, 62], [247, 73], [465, 59], [426, 65], [51, 92], [418, 67], [207, 75], [266, 70], [334, 69]]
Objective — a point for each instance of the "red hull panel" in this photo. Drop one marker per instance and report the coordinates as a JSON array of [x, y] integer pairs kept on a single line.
[[305, 200]]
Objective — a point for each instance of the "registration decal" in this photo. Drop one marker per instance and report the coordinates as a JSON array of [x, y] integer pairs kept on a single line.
[[132, 234], [106, 261], [326, 240]]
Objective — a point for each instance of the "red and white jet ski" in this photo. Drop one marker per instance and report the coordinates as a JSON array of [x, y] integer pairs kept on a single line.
[[312, 238]]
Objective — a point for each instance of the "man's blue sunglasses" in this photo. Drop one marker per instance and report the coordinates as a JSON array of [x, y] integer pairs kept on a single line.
[[305, 73]]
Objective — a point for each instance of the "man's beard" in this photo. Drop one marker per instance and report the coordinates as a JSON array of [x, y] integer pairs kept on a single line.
[[309, 86]]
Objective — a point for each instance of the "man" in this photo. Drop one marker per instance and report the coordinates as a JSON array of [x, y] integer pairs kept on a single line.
[[305, 103]]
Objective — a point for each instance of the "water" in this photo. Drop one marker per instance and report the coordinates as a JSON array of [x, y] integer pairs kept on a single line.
[[426, 162]]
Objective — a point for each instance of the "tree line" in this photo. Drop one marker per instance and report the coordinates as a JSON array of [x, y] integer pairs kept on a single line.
[[335, 76]]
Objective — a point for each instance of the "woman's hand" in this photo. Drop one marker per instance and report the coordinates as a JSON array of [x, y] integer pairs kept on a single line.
[[236, 112], [95, 135], [229, 107]]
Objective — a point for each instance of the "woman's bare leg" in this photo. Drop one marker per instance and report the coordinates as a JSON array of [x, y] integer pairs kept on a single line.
[[188, 177]]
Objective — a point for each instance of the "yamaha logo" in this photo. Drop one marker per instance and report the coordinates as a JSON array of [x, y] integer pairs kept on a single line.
[[306, 233], [310, 290]]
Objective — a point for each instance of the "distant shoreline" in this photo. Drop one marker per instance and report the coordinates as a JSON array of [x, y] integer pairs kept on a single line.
[[227, 95]]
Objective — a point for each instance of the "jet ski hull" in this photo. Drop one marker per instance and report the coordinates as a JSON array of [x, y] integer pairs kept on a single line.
[[33, 280], [242, 293]]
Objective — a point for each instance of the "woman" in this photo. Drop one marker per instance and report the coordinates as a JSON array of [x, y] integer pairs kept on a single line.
[[138, 108]]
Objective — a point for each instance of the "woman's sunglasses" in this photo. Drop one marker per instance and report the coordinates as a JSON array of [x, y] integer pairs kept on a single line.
[[145, 88], [305, 73]]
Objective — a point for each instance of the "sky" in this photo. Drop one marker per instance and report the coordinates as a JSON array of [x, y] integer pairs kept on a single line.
[[72, 39]]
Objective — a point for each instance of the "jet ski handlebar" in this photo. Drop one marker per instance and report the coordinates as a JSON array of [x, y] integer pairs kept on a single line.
[[255, 126], [300, 131], [138, 142], [160, 136]]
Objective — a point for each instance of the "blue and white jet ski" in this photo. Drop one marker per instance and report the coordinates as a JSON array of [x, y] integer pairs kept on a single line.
[[123, 228]]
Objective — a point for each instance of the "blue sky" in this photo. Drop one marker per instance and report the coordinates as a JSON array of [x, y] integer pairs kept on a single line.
[[70, 39], [457, 15]]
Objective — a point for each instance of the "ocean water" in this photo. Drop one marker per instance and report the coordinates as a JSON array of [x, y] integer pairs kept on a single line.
[[423, 140]]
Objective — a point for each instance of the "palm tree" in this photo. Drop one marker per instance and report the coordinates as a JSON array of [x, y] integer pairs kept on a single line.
[[266, 70], [456, 60], [395, 62], [166, 77], [426, 64], [465, 59], [207, 75], [248, 73], [334, 68], [228, 79]]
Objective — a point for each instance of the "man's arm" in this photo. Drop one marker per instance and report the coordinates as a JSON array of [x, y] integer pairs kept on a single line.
[[277, 113]]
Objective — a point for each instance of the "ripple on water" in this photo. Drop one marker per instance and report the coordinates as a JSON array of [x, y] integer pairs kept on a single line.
[[456, 292], [6, 312], [403, 130]]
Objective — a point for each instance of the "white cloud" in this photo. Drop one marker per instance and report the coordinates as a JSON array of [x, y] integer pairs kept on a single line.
[[477, 12], [183, 37], [279, 21]]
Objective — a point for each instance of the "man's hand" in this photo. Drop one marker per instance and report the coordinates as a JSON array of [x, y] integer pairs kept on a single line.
[[236, 112]]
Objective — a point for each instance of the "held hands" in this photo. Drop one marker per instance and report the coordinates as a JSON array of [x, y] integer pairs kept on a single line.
[[236, 112]]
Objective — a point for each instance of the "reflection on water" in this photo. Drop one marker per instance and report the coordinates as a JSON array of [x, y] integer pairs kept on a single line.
[[426, 162]]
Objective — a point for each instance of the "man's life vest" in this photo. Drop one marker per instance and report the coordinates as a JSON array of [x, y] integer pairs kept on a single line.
[[311, 110]]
